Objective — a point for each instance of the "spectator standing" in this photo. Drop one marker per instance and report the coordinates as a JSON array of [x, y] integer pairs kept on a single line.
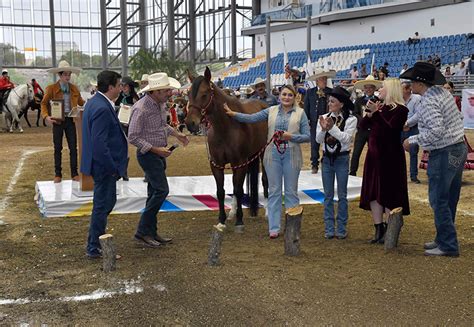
[[354, 74], [261, 92], [363, 71]]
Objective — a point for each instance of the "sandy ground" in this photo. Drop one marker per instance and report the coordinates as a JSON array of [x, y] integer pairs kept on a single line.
[[46, 278]]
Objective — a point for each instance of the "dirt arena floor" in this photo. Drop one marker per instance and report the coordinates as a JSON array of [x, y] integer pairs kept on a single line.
[[47, 280]]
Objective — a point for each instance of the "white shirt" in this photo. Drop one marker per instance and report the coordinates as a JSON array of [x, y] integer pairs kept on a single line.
[[111, 102], [345, 137]]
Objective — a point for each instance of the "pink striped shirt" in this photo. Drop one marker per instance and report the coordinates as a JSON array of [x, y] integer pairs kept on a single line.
[[148, 127]]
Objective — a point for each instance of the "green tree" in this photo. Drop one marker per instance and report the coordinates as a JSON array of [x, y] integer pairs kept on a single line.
[[148, 62], [11, 55], [76, 58]]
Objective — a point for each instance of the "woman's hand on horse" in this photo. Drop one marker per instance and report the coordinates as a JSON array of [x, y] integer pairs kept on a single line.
[[286, 136], [228, 111]]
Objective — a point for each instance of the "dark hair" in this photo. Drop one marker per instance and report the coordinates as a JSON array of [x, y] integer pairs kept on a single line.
[[450, 84], [4, 73], [107, 78]]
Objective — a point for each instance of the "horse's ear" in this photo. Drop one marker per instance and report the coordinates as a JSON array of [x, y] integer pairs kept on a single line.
[[207, 74], [190, 75]]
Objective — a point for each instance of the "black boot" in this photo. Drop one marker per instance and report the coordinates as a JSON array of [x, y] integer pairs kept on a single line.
[[378, 233], [382, 235]]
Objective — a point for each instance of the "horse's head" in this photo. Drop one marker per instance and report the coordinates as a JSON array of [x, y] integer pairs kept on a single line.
[[200, 101], [30, 93]]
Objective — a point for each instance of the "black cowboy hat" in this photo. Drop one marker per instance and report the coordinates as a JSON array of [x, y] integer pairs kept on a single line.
[[342, 95], [424, 72], [129, 81]]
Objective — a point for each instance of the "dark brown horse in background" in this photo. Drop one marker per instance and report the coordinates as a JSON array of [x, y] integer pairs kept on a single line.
[[230, 142]]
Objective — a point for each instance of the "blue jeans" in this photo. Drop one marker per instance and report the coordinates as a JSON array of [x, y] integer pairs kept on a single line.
[[105, 197], [280, 170], [154, 167], [338, 170], [414, 148], [445, 168]]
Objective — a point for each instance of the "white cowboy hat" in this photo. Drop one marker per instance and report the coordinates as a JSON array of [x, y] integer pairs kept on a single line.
[[93, 83], [249, 90], [319, 72], [145, 78], [4, 71], [64, 66], [259, 80], [160, 81], [369, 80]]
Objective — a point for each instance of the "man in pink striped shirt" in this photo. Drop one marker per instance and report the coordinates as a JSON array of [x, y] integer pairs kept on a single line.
[[149, 132]]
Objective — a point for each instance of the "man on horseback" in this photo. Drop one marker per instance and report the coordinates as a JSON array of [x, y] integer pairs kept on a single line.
[[5, 87]]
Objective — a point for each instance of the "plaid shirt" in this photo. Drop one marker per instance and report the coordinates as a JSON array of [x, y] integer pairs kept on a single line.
[[148, 127], [439, 120]]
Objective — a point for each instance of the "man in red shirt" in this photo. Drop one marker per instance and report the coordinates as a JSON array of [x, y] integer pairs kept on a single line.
[[5, 87]]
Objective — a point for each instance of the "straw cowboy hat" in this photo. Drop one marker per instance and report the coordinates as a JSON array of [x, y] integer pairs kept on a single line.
[[319, 72], [369, 80], [93, 83], [64, 66], [259, 80], [424, 72], [160, 81], [143, 79], [249, 90]]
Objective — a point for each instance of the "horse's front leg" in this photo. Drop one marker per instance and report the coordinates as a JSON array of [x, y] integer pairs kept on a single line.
[[238, 178], [219, 177]]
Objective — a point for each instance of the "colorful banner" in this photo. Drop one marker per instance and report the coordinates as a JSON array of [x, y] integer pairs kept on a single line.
[[187, 193], [467, 108]]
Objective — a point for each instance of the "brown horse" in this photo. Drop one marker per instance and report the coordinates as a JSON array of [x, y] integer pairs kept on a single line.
[[230, 142]]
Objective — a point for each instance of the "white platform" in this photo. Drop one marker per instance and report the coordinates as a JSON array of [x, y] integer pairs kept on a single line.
[[187, 193]]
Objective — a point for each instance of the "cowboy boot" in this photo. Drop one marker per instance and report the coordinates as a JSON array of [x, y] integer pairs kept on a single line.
[[378, 233], [383, 230]]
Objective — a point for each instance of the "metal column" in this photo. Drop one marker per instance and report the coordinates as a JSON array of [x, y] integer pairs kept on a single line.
[[171, 31], [192, 32], [268, 56], [308, 39], [103, 33], [124, 36], [233, 31], [53, 34], [142, 17]]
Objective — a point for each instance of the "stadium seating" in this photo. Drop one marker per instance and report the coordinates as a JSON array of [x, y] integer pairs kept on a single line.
[[451, 49]]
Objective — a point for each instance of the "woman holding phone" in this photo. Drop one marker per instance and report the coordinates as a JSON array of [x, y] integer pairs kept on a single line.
[[384, 184]]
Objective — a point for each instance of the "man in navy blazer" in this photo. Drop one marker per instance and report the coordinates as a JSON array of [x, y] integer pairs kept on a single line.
[[104, 154], [315, 105]]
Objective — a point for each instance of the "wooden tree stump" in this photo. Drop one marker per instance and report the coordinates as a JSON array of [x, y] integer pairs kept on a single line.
[[108, 252], [293, 230], [395, 223], [215, 248]]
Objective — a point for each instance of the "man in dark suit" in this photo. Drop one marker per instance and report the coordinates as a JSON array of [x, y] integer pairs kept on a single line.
[[315, 104], [104, 154]]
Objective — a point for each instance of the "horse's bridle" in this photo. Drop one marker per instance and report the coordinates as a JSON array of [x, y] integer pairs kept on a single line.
[[203, 110]]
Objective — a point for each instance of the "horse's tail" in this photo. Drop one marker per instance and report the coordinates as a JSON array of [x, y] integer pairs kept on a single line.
[[253, 191]]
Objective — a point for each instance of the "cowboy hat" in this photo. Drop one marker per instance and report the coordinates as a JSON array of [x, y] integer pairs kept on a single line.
[[4, 71], [319, 72], [343, 96], [64, 66], [369, 80], [160, 81], [424, 72], [93, 83], [259, 80], [249, 90]]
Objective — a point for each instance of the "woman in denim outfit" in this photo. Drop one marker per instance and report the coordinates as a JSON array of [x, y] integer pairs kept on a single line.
[[282, 163], [334, 132]]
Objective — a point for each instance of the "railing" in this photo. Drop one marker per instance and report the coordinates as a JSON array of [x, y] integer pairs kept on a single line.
[[286, 13]]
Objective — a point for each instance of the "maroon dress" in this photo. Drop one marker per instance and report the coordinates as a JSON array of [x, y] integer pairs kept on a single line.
[[385, 169]]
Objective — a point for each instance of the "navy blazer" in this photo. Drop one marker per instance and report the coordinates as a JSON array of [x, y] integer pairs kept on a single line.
[[314, 106], [104, 145]]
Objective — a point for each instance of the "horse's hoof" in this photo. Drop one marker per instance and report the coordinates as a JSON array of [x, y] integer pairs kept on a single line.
[[220, 227], [239, 229]]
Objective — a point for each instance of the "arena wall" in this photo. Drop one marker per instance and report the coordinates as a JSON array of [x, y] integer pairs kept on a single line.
[[448, 20]]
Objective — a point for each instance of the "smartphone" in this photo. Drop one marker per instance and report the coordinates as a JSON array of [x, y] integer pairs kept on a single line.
[[174, 146]]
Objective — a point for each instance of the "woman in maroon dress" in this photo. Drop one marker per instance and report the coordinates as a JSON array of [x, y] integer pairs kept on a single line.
[[384, 184]]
